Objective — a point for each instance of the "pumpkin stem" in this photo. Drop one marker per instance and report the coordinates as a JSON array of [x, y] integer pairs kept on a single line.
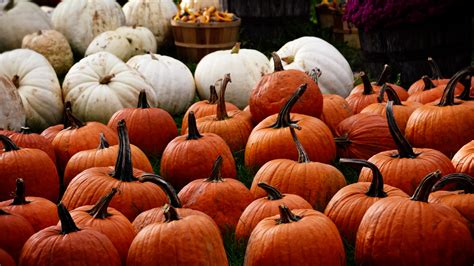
[[8, 144], [286, 216], [278, 66], [466, 92], [465, 181], [221, 113], [16, 81], [66, 122], [405, 150], [25, 130], [216, 174], [170, 213], [367, 86], [434, 69], [342, 141], [72, 120], [392, 95], [272, 192], [428, 83], [384, 75], [376, 185], [142, 101], [236, 48], [104, 144], [289, 59], [380, 97], [212, 95], [193, 132], [283, 119], [19, 194], [67, 223], [106, 79], [153, 57], [424, 188], [99, 211], [123, 166], [302, 155], [448, 95], [165, 186]]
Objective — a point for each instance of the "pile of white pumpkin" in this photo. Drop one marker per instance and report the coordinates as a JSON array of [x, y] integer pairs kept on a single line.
[[120, 46]]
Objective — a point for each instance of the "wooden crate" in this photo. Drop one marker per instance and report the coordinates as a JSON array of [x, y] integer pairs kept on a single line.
[[195, 40]]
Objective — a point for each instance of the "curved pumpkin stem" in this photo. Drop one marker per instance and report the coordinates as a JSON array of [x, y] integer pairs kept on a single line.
[[170, 213], [448, 95], [272, 192], [278, 66], [463, 180], [19, 193], [283, 118], [67, 223], [193, 132], [428, 83], [99, 211], [376, 185], [216, 174], [221, 113], [8, 144], [423, 190], [104, 144], [436, 72], [466, 92], [302, 155], [392, 95], [123, 166], [405, 150], [72, 120], [25, 130], [286, 216], [384, 75], [165, 186], [212, 95], [142, 100], [367, 86]]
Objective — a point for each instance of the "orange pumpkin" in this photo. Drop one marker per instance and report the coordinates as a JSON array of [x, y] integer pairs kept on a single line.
[[271, 138], [315, 182], [435, 80], [33, 165], [104, 155], [135, 197], [411, 231], [335, 109], [376, 86], [265, 207], [306, 237], [205, 108], [462, 200], [6, 259], [445, 126], [270, 93], [108, 221], [463, 160], [358, 100], [15, 232], [40, 212], [224, 200], [25, 138], [190, 240], [66, 244], [405, 167], [51, 132], [191, 157], [349, 204], [150, 129]]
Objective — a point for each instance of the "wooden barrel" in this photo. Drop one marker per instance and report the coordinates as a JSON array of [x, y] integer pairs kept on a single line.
[[407, 47], [195, 40]]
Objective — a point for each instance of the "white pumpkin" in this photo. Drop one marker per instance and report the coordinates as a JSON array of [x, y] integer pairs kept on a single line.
[[101, 84], [12, 114], [199, 4], [52, 45], [154, 14], [246, 67], [18, 20], [37, 85], [81, 20], [307, 53], [48, 10], [171, 80], [124, 42]]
